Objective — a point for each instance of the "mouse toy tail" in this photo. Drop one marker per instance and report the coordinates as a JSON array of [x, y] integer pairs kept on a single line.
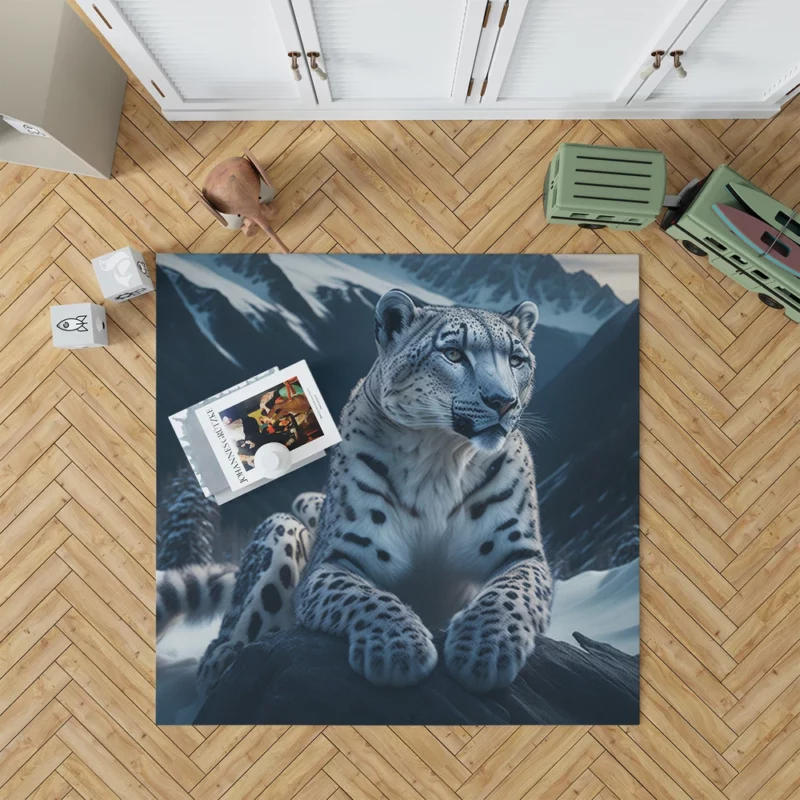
[[267, 228]]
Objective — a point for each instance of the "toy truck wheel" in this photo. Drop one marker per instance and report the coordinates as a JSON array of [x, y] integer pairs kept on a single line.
[[592, 226], [769, 301], [693, 248]]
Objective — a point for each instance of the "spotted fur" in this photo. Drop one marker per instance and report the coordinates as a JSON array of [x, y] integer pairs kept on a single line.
[[431, 516], [261, 600]]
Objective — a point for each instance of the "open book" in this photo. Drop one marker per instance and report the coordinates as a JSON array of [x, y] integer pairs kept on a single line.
[[222, 434]]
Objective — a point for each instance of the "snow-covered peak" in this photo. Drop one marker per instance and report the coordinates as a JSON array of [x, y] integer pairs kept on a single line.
[[297, 291], [248, 291], [315, 275], [574, 301]]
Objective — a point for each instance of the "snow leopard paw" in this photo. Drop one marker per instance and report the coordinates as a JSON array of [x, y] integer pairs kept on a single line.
[[485, 654], [218, 657], [393, 655]]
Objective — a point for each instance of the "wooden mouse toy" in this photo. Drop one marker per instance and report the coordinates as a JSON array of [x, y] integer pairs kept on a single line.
[[237, 192]]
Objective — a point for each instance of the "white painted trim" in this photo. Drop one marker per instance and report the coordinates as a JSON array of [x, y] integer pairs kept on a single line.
[[683, 41], [610, 111], [287, 28], [501, 56], [484, 49], [309, 42], [470, 33], [662, 40], [131, 49], [786, 89], [134, 53]]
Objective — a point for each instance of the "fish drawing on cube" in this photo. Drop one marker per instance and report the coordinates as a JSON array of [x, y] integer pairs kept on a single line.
[[79, 325], [122, 274]]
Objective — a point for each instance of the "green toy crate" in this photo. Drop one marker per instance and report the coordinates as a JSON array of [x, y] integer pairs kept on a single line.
[[598, 187], [697, 226]]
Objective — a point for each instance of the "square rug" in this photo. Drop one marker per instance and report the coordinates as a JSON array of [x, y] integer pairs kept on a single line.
[[468, 555]]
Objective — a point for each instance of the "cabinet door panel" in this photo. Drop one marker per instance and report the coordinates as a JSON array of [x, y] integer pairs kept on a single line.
[[567, 52], [747, 51], [390, 52], [230, 54], [579, 51]]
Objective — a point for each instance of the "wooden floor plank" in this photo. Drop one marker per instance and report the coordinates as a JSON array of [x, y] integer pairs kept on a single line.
[[681, 552], [437, 143], [93, 427], [31, 629], [351, 166], [30, 266], [419, 161], [127, 714], [118, 595], [159, 131], [119, 743], [758, 552], [12, 176], [402, 180], [492, 153]]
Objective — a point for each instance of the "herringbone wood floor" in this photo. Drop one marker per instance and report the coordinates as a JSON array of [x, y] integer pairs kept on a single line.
[[720, 406]]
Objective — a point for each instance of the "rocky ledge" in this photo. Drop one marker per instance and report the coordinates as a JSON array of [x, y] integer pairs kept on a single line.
[[303, 678]]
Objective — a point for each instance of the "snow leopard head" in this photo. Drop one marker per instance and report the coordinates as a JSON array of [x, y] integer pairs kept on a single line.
[[462, 369]]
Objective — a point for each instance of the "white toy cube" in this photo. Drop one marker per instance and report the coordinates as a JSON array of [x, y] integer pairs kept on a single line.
[[79, 325], [122, 274]]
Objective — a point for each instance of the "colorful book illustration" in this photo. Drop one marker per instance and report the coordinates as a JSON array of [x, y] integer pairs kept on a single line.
[[764, 207], [763, 238]]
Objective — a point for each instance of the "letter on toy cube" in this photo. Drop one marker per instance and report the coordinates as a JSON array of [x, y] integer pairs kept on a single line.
[[122, 274], [79, 325]]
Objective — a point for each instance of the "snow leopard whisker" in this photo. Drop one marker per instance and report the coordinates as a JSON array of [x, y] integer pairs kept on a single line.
[[535, 427]]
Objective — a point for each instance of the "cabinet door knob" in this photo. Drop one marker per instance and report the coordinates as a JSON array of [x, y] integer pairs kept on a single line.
[[676, 60], [294, 65], [312, 57], [650, 69]]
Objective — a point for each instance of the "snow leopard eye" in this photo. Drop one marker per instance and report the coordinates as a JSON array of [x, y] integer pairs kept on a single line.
[[516, 361], [453, 354]]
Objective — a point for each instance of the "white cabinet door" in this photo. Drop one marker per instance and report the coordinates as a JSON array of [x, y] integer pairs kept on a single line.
[[743, 51], [208, 54], [391, 53], [572, 52]]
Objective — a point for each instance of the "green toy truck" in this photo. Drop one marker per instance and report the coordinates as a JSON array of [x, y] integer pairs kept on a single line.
[[702, 232], [598, 187], [605, 187]]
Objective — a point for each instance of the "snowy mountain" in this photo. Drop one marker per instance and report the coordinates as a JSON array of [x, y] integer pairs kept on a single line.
[[601, 604], [572, 301], [588, 472], [208, 285]]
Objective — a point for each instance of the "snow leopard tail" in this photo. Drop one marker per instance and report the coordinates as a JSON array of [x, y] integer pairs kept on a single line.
[[193, 593], [200, 591]]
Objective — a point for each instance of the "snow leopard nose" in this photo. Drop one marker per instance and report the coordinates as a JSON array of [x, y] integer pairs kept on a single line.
[[500, 403]]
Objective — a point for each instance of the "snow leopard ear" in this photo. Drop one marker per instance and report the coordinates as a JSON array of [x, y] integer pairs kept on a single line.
[[524, 318], [393, 314]]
